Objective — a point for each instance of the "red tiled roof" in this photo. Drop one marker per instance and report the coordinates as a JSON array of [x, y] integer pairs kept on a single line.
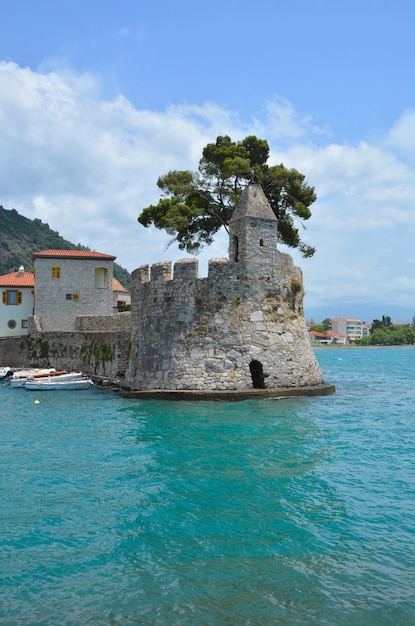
[[117, 286], [326, 334], [24, 279], [73, 254]]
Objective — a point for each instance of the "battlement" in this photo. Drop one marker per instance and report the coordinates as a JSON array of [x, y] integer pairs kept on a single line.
[[184, 270]]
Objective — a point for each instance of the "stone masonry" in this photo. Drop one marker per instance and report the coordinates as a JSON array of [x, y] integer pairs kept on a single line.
[[241, 327], [82, 285]]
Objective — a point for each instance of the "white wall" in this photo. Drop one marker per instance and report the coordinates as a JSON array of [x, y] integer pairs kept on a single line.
[[16, 312]]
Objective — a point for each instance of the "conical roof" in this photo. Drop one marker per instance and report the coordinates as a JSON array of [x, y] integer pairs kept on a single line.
[[253, 203]]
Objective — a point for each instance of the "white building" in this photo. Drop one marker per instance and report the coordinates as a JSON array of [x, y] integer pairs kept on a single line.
[[350, 328], [69, 283], [17, 302]]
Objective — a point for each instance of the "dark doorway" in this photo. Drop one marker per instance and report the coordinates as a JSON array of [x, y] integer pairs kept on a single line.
[[257, 374]]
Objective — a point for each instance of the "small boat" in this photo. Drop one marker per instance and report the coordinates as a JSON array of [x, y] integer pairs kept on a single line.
[[55, 376], [5, 373], [76, 384], [19, 378]]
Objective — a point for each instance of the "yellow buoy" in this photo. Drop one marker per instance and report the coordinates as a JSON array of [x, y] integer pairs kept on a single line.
[[37, 401]]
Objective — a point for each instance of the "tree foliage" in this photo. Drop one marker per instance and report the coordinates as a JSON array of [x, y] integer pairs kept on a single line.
[[385, 333], [195, 205], [393, 335]]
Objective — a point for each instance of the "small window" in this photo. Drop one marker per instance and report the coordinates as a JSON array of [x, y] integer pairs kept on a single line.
[[55, 271], [24, 324], [261, 243], [72, 296], [12, 297]]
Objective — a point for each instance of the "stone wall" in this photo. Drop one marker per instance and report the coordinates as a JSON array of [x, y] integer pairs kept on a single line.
[[119, 322], [13, 352], [94, 353], [191, 333]]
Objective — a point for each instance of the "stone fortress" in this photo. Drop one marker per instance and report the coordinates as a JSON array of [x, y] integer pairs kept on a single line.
[[240, 328]]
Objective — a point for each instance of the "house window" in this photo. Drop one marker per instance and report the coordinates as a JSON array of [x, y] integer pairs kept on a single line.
[[12, 297], [55, 271], [24, 323], [72, 296], [101, 278]]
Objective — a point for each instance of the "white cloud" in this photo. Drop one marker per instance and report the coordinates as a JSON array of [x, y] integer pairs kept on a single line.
[[402, 135], [88, 166]]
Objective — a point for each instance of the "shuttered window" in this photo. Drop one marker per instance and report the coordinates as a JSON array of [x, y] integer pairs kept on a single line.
[[12, 297]]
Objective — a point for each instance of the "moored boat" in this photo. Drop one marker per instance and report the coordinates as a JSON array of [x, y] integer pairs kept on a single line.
[[19, 378], [5, 372], [76, 384], [56, 376]]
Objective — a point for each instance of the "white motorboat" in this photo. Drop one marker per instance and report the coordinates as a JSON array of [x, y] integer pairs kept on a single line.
[[75, 384], [19, 378], [56, 376]]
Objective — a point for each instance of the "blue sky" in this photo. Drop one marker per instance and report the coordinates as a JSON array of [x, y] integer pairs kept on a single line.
[[97, 99]]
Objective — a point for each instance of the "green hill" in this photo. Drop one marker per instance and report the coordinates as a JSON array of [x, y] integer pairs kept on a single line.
[[20, 237]]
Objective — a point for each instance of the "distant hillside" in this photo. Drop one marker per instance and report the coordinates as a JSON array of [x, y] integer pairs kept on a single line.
[[20, 237]]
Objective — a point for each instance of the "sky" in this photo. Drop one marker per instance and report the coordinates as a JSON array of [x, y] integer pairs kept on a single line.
[[99, 99]]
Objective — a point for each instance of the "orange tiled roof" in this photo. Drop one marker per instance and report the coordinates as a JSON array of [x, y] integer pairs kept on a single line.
[[24, 279], [117, 286], [316, 333], [73, 254], [326, 334]]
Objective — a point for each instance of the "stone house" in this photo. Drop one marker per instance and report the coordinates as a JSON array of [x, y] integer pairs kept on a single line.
[[17, 301], [69, 283]]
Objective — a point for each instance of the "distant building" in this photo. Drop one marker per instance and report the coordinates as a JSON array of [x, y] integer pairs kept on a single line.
[[326, 337], [350, 328], [121, 297], [17, 301]]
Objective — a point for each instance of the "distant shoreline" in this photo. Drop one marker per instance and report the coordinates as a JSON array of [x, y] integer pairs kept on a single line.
[[334, 345]]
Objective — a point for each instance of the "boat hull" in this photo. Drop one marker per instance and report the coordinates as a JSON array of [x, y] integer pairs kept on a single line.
[[54, 385]]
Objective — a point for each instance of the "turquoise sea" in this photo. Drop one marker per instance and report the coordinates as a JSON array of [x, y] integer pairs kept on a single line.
[[292, 511]]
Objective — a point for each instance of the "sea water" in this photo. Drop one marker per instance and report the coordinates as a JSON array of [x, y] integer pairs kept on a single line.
[[291, 511]]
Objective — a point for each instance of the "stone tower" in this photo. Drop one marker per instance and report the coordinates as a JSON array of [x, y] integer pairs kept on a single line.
[[253, 231], [240, 328]]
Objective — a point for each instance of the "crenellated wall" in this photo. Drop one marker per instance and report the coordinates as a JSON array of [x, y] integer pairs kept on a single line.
[[191, 333]]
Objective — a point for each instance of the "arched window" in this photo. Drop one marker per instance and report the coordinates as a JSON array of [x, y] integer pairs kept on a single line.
[[101, 278]]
